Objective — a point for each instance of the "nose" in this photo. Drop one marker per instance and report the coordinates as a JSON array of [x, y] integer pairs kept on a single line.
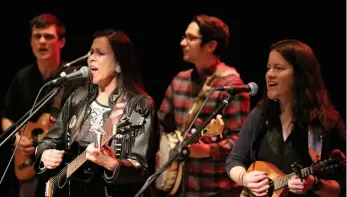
[[90, 58], [270, 73], [42, 39], [183, 42]]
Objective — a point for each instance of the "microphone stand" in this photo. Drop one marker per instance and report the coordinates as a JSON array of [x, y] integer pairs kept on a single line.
[[40, 104], [181, 152]]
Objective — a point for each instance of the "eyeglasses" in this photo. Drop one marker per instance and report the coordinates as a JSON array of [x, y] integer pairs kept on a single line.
[[190, 37]]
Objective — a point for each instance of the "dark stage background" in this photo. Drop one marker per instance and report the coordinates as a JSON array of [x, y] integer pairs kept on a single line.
[[156, 31]]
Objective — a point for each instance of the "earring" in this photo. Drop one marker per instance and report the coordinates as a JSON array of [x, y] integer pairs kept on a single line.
[[118, 68]]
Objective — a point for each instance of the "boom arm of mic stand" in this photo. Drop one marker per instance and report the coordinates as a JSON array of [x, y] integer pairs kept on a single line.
[[22, 122], [181, 149]]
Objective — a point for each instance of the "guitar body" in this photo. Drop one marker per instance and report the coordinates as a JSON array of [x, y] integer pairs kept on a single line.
[[273, 173], [24, 164]]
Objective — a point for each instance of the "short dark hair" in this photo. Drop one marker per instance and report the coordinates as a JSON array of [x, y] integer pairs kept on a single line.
[[213, 28], [46, 20]]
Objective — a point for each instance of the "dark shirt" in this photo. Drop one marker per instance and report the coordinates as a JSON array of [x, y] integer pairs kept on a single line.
[[23, 91], [21, 96], [284, 153], [258, 142]]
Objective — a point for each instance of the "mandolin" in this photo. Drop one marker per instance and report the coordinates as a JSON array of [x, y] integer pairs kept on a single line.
[[278, 181]]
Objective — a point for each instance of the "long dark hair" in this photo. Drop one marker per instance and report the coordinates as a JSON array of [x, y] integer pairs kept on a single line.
[[311, 102], [129, 78]]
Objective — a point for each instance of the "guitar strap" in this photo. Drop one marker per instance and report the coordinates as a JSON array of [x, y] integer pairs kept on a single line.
[[210, 81], [315, 141]]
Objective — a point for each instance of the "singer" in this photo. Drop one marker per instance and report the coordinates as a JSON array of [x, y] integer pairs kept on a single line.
[[294, 122], [47, 40], [113, 98], [206, 37]]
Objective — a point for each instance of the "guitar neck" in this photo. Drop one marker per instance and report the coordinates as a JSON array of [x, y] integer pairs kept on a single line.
[[80, 159], [282, 182]]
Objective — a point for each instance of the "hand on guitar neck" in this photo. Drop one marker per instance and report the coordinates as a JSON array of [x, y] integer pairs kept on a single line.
[[25, 144], [200, 149]]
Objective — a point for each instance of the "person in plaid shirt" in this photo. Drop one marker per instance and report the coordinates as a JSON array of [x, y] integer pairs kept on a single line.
[[206, 37]]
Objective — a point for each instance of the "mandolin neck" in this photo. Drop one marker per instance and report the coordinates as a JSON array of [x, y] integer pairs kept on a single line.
[[282, 182]]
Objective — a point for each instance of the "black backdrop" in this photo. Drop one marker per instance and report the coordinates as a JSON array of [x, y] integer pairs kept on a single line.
[[156, 30]]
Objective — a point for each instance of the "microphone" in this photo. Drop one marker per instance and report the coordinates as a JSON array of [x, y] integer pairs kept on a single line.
[[252, 88], [77, 60], [84, 72]]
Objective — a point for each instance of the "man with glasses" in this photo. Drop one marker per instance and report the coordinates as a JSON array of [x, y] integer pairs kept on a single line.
[[47, 40], [205, 39]]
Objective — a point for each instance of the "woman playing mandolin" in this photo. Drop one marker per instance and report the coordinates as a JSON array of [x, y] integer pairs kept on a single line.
[[295, 123]]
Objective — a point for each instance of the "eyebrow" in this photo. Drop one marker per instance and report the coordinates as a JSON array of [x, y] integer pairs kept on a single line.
[[190, 34]]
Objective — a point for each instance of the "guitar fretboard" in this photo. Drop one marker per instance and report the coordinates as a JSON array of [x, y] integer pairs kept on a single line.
[[284, 181]]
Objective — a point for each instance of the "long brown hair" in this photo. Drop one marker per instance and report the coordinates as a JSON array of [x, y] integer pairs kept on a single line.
[[311, 101]]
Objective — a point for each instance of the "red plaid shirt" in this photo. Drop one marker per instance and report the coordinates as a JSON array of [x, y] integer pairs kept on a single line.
[[205, 176]]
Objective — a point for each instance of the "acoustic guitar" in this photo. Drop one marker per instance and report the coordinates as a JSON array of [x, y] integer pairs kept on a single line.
[[278, 181], [170, 180], [35, 131]]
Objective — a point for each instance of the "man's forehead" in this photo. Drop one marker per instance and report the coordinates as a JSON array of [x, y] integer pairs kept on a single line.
[[193, 29], [45, 30]]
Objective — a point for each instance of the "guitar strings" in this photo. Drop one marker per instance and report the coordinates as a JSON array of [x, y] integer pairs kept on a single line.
[[57, 177], [63, 171]]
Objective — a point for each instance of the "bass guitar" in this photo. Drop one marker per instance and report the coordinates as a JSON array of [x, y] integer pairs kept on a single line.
[[278, 181]]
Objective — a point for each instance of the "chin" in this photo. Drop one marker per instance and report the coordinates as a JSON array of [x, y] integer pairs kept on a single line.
[[96, 82], [272, 96]]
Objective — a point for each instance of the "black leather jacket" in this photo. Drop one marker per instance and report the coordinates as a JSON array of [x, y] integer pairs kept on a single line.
[[138, 142]]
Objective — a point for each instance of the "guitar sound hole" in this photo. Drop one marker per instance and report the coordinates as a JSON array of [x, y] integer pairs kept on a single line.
[[34, 135], [36, 132]]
